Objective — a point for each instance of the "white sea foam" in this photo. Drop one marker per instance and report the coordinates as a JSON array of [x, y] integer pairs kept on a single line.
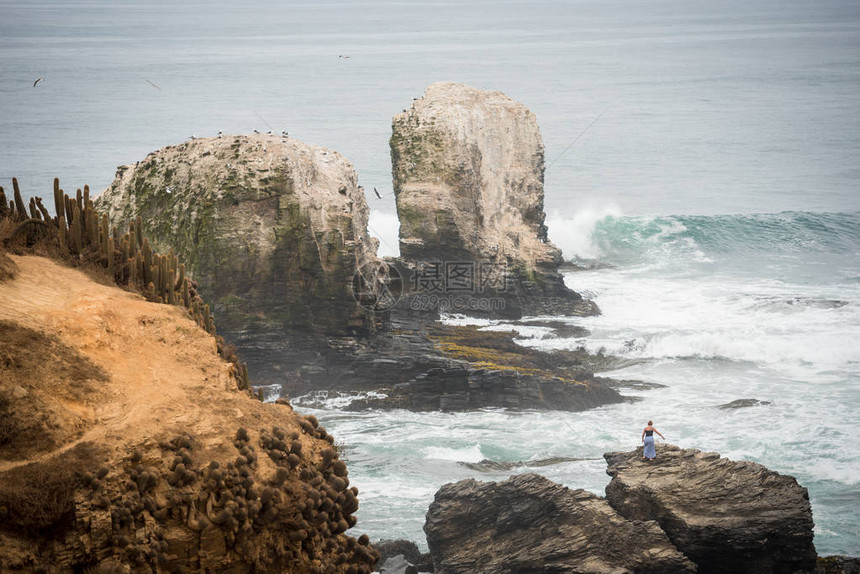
[[574, 235], [465, 454]]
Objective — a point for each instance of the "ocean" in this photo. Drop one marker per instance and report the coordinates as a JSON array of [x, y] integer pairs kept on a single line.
[[705, 154]]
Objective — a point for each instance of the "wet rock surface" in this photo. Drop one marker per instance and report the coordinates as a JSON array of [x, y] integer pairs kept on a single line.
[[530, 524], [687, 511], [726, 516]]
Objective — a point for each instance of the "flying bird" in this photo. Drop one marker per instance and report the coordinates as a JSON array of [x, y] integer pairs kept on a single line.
[[37, 81], [152, 84], [376, 191]]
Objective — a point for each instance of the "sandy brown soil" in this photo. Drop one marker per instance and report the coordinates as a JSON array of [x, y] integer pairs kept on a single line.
[[164, 376], [122, 434]]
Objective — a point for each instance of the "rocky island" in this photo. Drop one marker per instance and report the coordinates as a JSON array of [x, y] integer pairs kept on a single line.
[[275, 235], [468, 168]]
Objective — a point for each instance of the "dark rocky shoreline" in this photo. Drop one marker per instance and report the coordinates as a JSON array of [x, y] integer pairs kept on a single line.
[[688, 511]]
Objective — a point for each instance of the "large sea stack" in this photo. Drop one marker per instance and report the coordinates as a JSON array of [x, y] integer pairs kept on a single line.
[[468, 169], [272, 229]]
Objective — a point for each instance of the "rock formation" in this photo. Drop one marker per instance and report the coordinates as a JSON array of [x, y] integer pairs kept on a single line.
[[126, 446], [687, 511], [274, 232], [272, 229], [461, 388], [726, 516], [530, 524], [468, 169]]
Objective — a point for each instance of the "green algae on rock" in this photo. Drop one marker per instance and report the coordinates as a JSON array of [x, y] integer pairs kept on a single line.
[[272, 229]]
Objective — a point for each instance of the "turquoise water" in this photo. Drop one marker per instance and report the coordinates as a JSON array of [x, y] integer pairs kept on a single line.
[[719, 180]]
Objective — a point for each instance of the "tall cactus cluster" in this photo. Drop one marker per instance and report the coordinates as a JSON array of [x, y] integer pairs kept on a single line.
[[81, 234]]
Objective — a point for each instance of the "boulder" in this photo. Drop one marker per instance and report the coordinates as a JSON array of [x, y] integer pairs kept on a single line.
[[272, 229], [530, 524], [468, 168], [726, 516]]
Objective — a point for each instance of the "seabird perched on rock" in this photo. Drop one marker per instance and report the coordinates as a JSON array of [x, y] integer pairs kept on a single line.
[[376, 191], [167, 190], [220, 133], [256, 131], [284, 134], [193, 137], [37, 81]]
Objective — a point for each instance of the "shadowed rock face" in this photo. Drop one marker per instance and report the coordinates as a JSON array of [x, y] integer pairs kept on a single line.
[[530, 524], [468, 171], [271, 228], [726, 516]]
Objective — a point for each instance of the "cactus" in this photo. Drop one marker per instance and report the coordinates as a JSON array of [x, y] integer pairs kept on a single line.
[[58, 198], [67, 203], [132, 272], [76, 229], [61, 234], [110, 258], [43, 210], [186, 294], [34, 213], [147, 260], [19, 202], [244, 381], [3, 207], [105, 234], [79, 197], [86, 195], [123, 258], [92, 221], [132, 241], [181, 280], [23, 225]]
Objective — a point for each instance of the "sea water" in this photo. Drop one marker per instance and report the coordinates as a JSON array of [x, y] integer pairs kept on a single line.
[[705, 154], [717, 309]]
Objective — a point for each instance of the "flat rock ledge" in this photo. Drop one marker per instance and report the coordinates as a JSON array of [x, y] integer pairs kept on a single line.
[[461, 388], [726, 516]]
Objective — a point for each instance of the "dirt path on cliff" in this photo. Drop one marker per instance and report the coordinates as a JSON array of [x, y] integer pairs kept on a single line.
[[164, 376]]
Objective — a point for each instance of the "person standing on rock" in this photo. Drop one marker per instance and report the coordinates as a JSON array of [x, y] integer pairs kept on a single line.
[[648, 440]]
